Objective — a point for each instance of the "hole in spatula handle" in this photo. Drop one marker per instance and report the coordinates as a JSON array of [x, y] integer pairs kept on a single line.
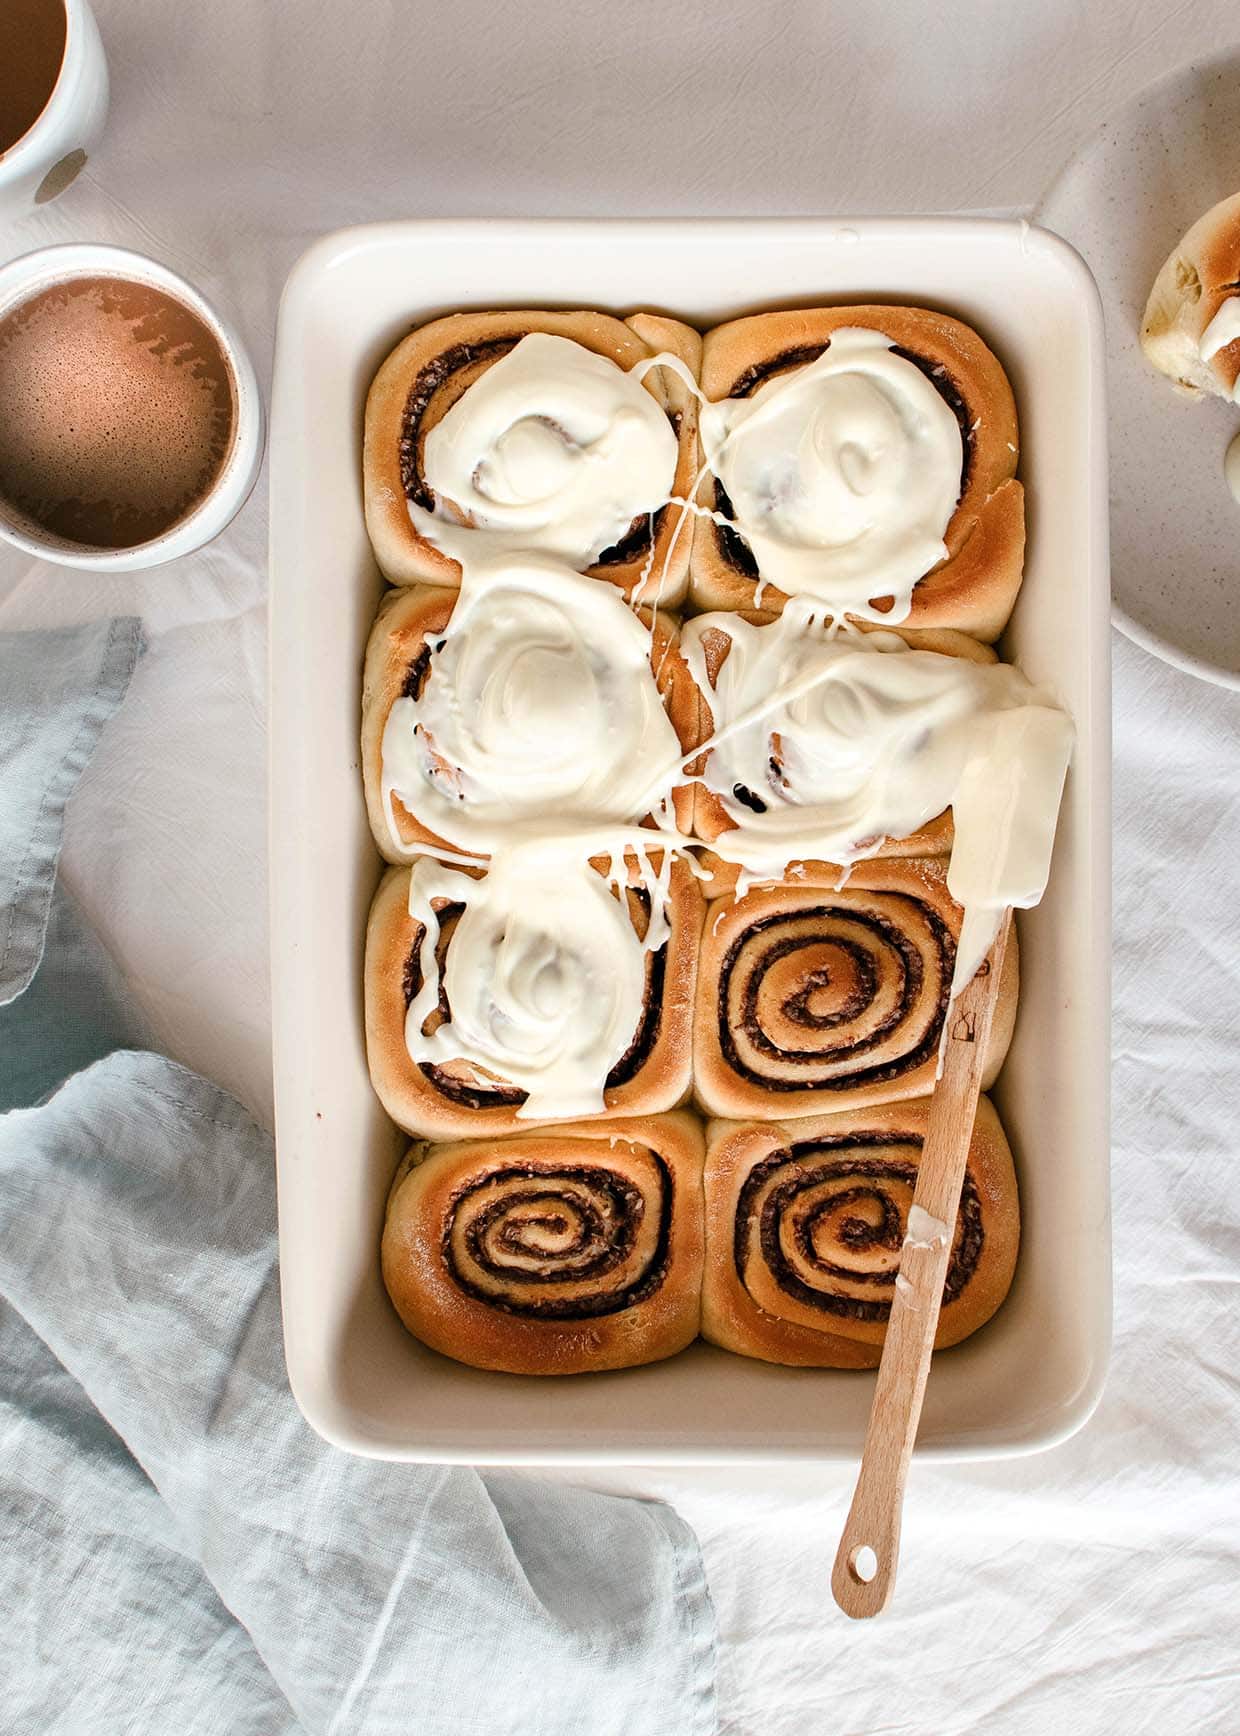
[[862, 1564]]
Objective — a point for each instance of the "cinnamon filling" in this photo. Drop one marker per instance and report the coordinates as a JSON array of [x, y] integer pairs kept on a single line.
[[606, 1230], [798, 1007], [882, 1227]]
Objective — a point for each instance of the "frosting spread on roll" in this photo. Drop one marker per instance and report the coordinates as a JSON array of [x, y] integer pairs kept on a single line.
[[1222, 330], [544, 979], [842, 474], [827, 741], [539, 714], [538, 736], [553, 448]]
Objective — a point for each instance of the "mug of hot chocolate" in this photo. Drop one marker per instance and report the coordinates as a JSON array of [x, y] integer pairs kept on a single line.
[[131, 425], [53, 99]]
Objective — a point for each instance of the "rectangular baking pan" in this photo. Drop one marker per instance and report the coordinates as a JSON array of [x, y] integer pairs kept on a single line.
[[1033, 1375]]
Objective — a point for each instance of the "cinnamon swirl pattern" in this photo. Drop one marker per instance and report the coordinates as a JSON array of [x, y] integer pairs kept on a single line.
[[544, 431], [805, 1222], [865, 456], [813, 996], [552, 999], [563, 1252], [531, 700]]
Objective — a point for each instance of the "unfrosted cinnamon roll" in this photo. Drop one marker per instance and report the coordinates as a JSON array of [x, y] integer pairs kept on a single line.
[[805, 1222], [534, 993], [865, 456], [535, 427], [813, 996], [558, 1252], [538, 699]]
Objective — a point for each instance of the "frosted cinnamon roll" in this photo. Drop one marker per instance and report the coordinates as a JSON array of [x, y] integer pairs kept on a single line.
[[833, 744], [1191, 327], [805, 1222], [814, 995], [536, 992], [531, 699], [864, 456], [546, 430], [562, 1252]]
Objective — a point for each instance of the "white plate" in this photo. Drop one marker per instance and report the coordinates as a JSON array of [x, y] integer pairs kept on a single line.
[[1030, 1377], [1124, 201]]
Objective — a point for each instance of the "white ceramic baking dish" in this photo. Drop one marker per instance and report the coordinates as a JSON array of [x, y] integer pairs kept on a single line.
[[1030, 1377]]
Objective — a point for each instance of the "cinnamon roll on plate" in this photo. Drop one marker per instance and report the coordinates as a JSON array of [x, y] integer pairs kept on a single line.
[[863, 455], [805, 1221], [536, 427], [814, 995], [558, 1252], [530, 994]]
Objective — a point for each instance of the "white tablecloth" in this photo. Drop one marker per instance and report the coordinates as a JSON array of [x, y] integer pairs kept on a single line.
[[1089, 1589]]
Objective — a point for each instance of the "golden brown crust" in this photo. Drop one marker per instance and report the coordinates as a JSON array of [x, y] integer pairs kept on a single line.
[[407, 619], [478, 340], [811, 998], [1201, 273], [710, 817], [973, 590], [451, 1102], [467, 1222], [411, 615], [787, 1201]]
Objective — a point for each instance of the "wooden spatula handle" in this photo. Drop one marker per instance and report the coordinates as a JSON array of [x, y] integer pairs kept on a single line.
[[873, 1522]]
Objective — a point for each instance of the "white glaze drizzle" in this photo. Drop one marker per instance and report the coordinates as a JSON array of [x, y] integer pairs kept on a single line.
[[539, 715], [553, 448], [843, 474]]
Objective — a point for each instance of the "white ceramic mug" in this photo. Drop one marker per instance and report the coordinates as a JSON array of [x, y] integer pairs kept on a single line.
[[34, 272], [50, 155]]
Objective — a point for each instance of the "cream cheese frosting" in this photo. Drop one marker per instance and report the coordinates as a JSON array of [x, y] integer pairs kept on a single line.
[[539, 738], [842, 474], [1222, 330], [553, 448], [544, 976], [827, 741], [539, 714]]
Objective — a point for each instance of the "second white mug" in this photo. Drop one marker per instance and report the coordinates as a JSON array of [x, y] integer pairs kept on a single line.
[[51, 153]]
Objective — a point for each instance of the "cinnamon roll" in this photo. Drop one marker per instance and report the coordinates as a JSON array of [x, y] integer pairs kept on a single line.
[[536, 992], [547, 429], [865, 456], [805, 1222], [833, 744], [814, 995], [562, 1252], [532, 698], [1191, 327]]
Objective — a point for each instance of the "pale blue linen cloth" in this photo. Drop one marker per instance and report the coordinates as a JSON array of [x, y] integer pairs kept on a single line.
[[179, 1552]]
